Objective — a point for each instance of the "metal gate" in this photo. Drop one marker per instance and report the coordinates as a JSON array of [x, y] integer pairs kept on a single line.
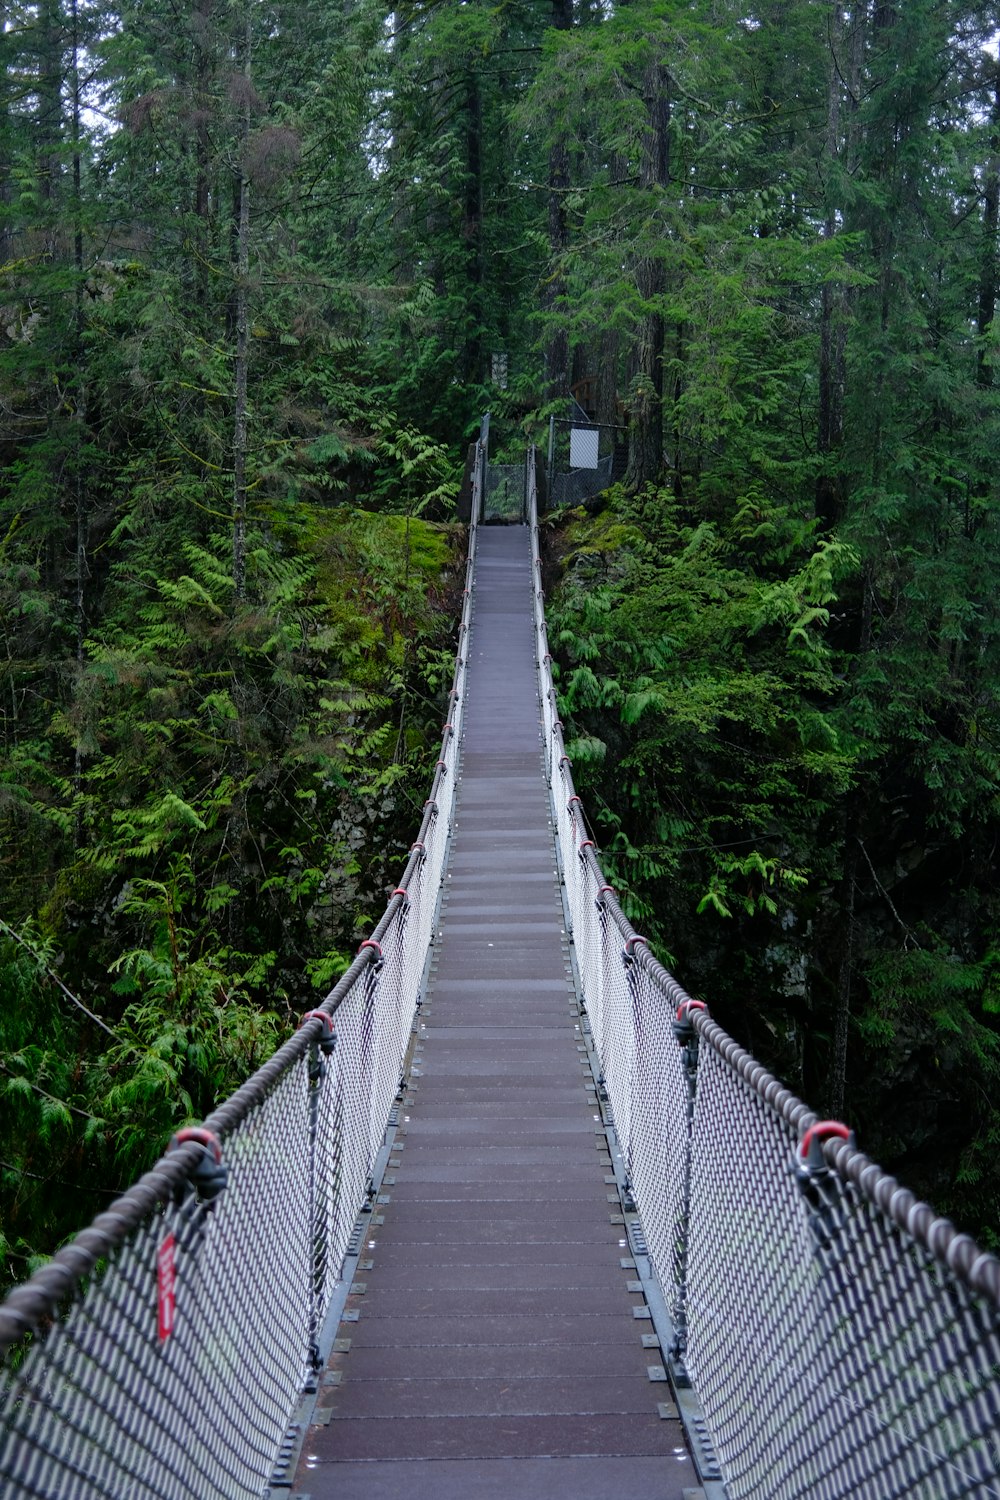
[[503, 493]]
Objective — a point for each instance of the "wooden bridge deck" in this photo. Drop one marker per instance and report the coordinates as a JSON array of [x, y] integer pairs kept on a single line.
[[498, 1351]]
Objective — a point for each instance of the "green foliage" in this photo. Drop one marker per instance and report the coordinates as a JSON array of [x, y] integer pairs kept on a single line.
[[684, 664], [780, 657]]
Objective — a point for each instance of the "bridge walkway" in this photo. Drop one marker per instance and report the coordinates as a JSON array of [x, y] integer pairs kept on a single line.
[[494, 1348]]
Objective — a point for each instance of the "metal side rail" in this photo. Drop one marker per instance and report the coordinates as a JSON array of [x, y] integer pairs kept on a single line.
[[841, 1339], [164, 1353]]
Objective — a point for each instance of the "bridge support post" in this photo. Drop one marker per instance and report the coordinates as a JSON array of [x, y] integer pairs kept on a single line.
[[687, 1038], [319, 1236]]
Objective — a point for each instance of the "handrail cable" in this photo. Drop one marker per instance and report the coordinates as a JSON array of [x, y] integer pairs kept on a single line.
[[164, 1351], [842, 1338]]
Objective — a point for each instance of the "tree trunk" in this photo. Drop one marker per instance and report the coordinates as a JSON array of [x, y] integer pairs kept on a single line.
[[988, 274], [836, 1086], [830, 413], [474, 228], [79, 388], [242, 338], [6, 154], [48, 130], [557, 343], [200, 253], [645, 459]]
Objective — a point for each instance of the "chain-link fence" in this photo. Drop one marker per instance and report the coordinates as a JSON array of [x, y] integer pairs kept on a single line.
[[162, 1354], [503, 493], [843, 1341], [585, 457]]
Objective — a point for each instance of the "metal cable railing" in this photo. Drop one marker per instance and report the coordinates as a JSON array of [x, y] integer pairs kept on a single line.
[[842, 1340], [163, 1354]]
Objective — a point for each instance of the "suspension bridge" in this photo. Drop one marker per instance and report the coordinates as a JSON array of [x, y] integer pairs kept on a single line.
[[509, 1215]]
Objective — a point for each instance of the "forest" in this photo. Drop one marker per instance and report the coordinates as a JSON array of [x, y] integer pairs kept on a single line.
[[262, 269]]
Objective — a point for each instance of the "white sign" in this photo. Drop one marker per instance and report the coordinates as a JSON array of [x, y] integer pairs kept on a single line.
[[583, 447]]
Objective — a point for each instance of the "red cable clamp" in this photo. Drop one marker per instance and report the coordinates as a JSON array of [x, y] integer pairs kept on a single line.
[[811, 1145], [443, 764], [630, 943], [587, 844], [448, 729], [565, 760], [401, 891], [419, 843], [683, 1028], [206, 1138], [328, 1038], [431, 803], [209, 1176], [573, 799], [371, 943]]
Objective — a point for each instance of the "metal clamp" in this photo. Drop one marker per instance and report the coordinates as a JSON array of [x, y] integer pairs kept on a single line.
[[328, 1036], [628, 951], [371, 943], [210, 1175], [684, 1026], [816, 1180]]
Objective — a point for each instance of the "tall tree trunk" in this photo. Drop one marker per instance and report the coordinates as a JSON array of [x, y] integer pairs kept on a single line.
[[473, 227], [607, 376], [645, 458], [557, 342], [6, 153], [831, 312], [848, 40], [48, 129], [79, 388], [988, 274], [200, 253], [242, 360], [849, 944]]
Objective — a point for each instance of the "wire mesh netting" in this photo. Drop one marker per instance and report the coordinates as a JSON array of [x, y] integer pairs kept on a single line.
[[503, 493], [842, 1340], [585, 457], [162, 1355], [573, 486]]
